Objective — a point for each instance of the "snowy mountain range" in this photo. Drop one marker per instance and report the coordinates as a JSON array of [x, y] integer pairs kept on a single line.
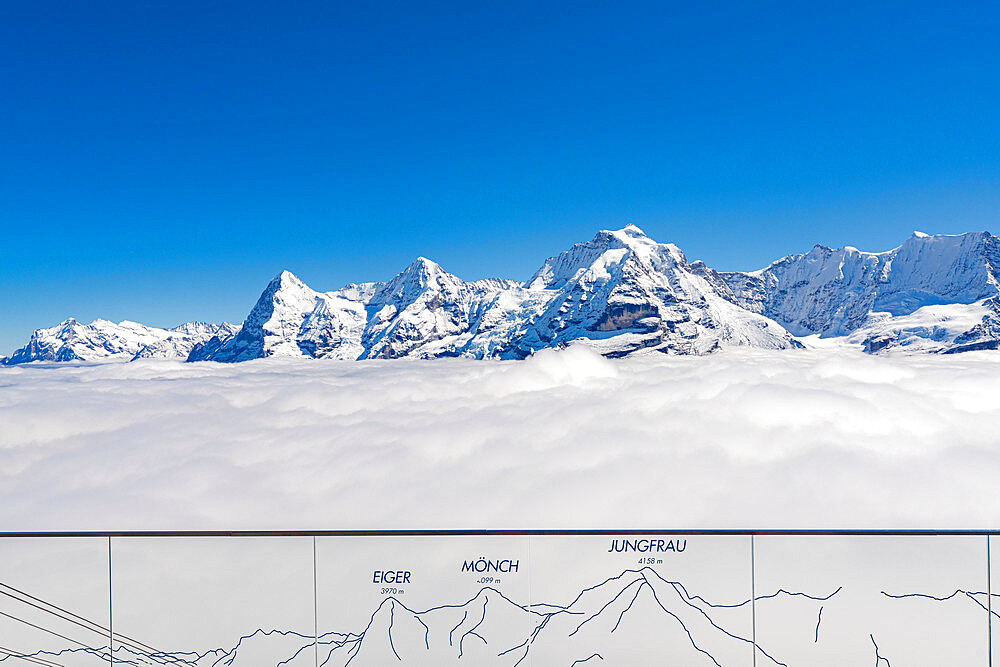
[[102, 340], [620, 293]]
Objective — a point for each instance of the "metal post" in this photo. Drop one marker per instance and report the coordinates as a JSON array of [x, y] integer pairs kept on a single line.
[[315, 609], [753, 601], [111, 611]]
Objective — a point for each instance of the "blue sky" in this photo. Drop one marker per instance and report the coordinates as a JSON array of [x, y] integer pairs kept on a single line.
[[162, 161]]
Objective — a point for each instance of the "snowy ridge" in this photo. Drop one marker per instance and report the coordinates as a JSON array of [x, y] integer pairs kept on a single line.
[[102, 340], [920, 295], [620, 293]]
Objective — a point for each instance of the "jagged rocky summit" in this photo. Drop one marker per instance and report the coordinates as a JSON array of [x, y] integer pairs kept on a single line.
[[620, 293]]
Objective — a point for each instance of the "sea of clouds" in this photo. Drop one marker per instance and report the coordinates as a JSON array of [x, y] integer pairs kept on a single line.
[[566, 439]]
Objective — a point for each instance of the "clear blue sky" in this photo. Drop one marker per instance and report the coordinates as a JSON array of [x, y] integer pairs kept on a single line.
[[161, 161]]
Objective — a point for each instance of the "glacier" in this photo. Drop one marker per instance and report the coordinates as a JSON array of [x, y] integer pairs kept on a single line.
[[621, 293]]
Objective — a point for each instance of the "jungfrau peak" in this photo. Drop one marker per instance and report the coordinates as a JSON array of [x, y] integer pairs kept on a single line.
[[621, 293]]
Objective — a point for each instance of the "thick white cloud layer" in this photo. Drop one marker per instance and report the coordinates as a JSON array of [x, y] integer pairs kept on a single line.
[[739, 439]]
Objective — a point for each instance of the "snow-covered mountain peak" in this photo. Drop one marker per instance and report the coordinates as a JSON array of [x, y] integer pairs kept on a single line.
[[285, 280], [633, 238], [623, 286], [628, 234], [283, 294], [601, 258], [419, 307], [420, 276], [285, 291], [271, 326], [424, 272], [69, 324], [421, 263]]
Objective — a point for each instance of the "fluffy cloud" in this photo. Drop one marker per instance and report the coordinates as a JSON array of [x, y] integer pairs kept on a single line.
[[566, 439]]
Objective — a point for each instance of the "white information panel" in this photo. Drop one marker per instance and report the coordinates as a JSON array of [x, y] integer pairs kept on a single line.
[[54, 602], [829, 601], [505, 600], [213, 600]]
